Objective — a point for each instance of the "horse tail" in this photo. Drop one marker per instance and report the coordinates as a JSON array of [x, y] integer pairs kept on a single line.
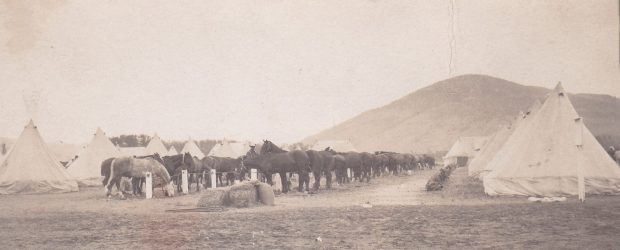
[[105, 170], [111, 172]]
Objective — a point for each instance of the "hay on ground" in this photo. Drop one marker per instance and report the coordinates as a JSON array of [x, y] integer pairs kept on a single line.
[[461, 185], [243, 194], [212, 198], [437, 181], [265, 194]]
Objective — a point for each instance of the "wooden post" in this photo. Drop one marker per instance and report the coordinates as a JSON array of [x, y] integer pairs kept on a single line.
[[148, 186], [253, 174], [349, 173], [213, 179], [184, 186]]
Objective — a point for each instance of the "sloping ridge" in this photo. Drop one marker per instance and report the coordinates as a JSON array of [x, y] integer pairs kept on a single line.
[[432, 118]]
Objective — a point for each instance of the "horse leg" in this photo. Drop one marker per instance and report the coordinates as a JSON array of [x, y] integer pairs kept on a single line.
[[134, 185], [285, 184], [328, 179], [317, 180]]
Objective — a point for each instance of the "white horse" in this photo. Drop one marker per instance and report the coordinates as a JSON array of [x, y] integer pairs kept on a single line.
[[134, 168]]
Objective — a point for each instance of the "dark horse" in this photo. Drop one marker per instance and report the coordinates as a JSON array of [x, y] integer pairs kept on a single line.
[[273, 159], [321, 163], [176, 163], [114, 169], [230, 166]]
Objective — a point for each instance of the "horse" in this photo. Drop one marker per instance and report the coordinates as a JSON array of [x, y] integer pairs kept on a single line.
[[339, 165], [136, 182], [302, 162], [176, 163], [273, 159], [230, 166], [427, 161], [321, 163], [367, 162], [133, 167]]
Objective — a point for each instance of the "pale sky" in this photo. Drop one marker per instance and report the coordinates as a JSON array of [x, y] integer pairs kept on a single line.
[[279, 70]]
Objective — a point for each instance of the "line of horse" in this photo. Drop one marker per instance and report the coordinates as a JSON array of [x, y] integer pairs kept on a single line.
[[363, 165], [271, 160]]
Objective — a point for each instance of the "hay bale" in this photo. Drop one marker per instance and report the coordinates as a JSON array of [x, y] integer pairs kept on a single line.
[[213, 197], [436, 182], [243, 194], [266, 194]]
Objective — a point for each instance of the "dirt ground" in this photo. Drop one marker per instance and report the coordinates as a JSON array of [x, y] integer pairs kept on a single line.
[[400, 216]]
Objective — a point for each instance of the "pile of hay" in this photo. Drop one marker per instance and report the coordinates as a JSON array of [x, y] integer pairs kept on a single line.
[[437, 181], [244, 194]]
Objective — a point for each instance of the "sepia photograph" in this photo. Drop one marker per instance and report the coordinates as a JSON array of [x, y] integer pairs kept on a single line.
[[309, 124]]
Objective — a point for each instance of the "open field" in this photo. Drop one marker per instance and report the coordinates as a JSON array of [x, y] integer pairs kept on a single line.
[[403, 216]]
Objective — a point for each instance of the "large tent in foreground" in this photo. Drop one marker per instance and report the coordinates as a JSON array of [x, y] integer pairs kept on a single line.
[[337, 145], [191, 147], [156, 146], [545, 159], [478, 166], [30, 167], [464, 149], [87, 167]]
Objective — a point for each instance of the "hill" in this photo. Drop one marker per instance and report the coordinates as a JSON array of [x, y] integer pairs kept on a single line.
[[432, 118]]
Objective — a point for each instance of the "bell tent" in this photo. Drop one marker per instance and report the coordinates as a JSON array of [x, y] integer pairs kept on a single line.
[[31, 168], [479, 165], [553, 151], [229, 149], [87, 167], [191, 147], [172, 151], [464, 149], [156, 146]]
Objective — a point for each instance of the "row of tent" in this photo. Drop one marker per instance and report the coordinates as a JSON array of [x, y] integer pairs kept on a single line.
[[30, 166], [542, 152]]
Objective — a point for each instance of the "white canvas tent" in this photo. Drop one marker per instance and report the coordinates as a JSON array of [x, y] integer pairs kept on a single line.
[[544, 159], [87, 167], [464, 149], [30, 167], [229, 149], [191, 147], [172, 151], [156, 146], [337, 145], [478, 166]]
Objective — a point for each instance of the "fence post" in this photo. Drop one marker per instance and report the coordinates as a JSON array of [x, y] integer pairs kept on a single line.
[[277, 182], [253, 174], [213, 179], [349, 173], [148, 186], [184, 186]]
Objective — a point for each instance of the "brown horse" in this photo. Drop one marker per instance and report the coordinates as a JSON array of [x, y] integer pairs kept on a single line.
[[321, 164], [273, 159], [176, 163], [134, 168], [230, 166]]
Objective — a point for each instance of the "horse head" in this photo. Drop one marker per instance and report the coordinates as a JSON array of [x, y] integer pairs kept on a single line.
[[188, 161], [267, 147], [169, 189]]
